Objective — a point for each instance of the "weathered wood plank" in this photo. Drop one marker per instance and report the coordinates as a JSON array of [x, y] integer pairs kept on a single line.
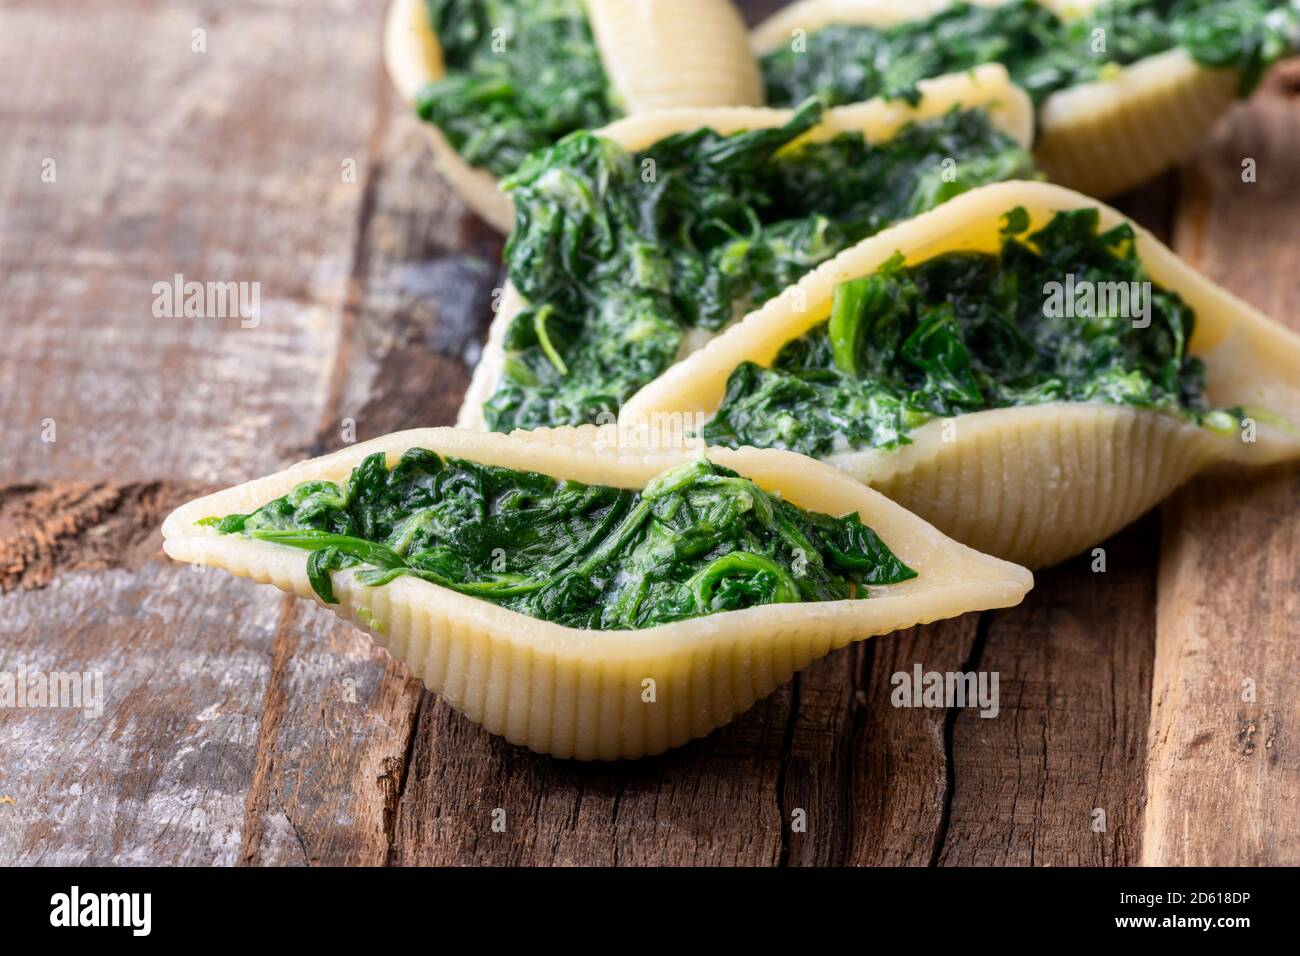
[[872, 778], [237, 726], [46, 530], [1223, 776], [337, 719], [1056, 779], [424, 274], [129, 157], [160, 776], [340, 715], [155, 772], [711, 802], [1224, 771]]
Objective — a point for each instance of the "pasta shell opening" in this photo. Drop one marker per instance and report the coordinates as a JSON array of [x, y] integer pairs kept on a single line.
[[1102, 138], [665, 54], [973, 487], [578, 693], [987, 88]]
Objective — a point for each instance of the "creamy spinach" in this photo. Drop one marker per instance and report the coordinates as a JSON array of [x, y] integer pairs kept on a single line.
[[1043, 53], [521, 74], [618, 254], [697, 540], [963, 332]]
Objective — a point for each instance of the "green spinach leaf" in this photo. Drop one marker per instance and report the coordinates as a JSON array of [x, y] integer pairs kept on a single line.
[[618, 254], [698, 539], [521, 74], [1043, 53], [1067, 314]]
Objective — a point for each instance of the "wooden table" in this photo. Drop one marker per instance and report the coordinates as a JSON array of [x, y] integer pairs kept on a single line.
[[241, 726]]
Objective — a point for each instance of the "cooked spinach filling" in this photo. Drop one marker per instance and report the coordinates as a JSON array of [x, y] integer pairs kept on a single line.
[[1053, 317], [521, 74], [619, 254], [1042, 52], [698, 540]]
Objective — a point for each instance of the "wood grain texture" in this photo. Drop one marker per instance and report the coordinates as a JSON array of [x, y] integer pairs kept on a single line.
[[341, 716], [1057, 778], [76, 526], [222, 165], [1224, 772], [711, 802], [336, 724], [228, 713], [161, 777], [873, 778]]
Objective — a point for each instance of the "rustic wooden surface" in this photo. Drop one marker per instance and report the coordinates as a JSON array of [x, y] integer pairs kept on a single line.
[[242, 727], [1226, 710]]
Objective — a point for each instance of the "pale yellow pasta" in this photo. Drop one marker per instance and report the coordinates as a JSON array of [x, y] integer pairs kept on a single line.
[[607, 694], [987, 88], [1037, 483], [1100, 138], [668, 53]]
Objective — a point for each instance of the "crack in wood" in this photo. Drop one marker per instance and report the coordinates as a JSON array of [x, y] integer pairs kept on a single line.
[[971, 664], [48, 529], [393, 796], [354, 298], [779, 791], [858, 714], [275, 703]]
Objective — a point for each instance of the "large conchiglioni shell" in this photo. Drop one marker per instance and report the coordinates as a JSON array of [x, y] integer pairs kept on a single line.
[[987, 88], [1101, 138], [1110, 136], [607, 694], [1033, 484], [668, 53]]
